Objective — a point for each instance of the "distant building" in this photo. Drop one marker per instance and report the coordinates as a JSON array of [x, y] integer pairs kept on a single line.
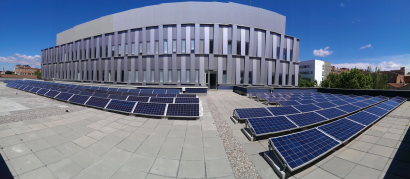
[[24, 70], [315, 69], [398, 86], [395, 76]]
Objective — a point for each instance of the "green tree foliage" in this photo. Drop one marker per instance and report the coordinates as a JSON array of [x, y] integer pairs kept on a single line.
[[356, 79], [38, 74], [9, 72], [306, 83]]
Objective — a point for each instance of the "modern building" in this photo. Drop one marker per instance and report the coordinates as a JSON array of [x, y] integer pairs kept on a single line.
[[188, 43], [315, 69], [24, 70]]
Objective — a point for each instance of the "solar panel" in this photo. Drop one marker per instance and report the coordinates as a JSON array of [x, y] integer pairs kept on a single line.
[[282, 110], [112, 89], [270, 125], [123, 90], [42, 91], [332, 98], [167, 95], [146, 91], [273, 99], [261, 96], [361, 104], [339, 102], [392, 102], [63, 90], [325, 105], [386, 106], [161, 100], [400, 98], [292, 98], [348, 108], [252, 112], [322, 100], [94, 87], [382, 97], [52, 94], [377, 99], [103, 88], [359, 98], [306, 107], [101, 95], [342, 129], [350, 100], [331, 113], [114, 92], [377, 111], [306, 119], [118, 97], [186, 100], [159, 91], [64, 96], [157, 109], [134, 91], [172, 92], [123, 106], [138, 98], [186, 110], [307, 101], [363, 118], [101, 91], [34, 90], [186, 95], [301, 148], [74, 91], [288, 103], [146, 94], [97, 102], [79, 99], [85, 93], [87, 87]]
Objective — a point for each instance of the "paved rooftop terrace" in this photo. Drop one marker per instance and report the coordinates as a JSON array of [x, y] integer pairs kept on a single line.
[[39, 139]]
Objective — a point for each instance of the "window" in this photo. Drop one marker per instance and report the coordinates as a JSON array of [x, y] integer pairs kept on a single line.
[[98, 76], [183, 46], [152, 76], [109, 75], [211, 46], [224, 76], [174, 46], [136, 76], [129, 76], [250, 78], [273, 77], [165, 46], [133, 48], [201, 46], [148, 48], [95, 52], [161, 76], [241, 82], [188, 76], [246, 48], [106, 51], [119, 50], [229, 47], [169, 76], [112, 50], [179, 76], [115, 75], [144, 76], [126, 49], [156, 47], [280, 78], [122, 75], [140, 48], [196, 76], [238, 47], [192, 46]]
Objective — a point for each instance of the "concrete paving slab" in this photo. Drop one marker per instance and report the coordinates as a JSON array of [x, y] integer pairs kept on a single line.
[[373, 161], [26, 163], [50, 155], [191, 169], [363, 173], [338, 167]]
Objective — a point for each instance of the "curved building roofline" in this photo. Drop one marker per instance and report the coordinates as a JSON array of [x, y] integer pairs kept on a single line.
[[178, 13]]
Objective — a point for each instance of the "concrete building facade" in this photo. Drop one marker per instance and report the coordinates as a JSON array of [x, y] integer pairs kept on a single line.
[[316, 69], [189, 43]]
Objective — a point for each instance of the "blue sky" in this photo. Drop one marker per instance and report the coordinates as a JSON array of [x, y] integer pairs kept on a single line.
[[347, 33]]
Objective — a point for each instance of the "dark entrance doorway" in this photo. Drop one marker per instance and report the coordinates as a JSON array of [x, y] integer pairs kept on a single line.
[[213, 80]]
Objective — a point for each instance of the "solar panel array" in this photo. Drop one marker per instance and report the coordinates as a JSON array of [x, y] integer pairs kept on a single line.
[[138, 101]]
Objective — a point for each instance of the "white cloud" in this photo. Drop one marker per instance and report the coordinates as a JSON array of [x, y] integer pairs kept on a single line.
[[394, 62], [342, 5], [22, 59], [322, 52], [366, 46]]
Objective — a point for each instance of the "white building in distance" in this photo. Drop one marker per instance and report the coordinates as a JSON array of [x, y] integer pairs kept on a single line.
[[315, 69]]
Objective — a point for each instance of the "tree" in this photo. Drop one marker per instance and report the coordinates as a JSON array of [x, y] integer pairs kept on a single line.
[[38, 74], [9, 72], [306, 83]]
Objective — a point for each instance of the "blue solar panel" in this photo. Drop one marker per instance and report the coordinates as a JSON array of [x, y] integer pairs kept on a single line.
[[186, 95], [377, 111], [146, 91], [159, 91], [101, 95], [63, 90], [94, 87], [306, 119], [361, 104], [252, 112], [399, 99], [86, 87], [167, 95], [28, 88], [112, 89], [382, 97], [306, 107], [42, 91], [157, 109], [269, 125], [331, 98], [52, 94], [138, 98], [386, 106], [274, 99], [103, 88], [325, 105], [331, 113], [114, 92], [123, 90], [123, 106], [172, 91], [392, 102], [348, 108], [118, 97], [34, 90], [307, 101], [186, 100], [339, 102], [359, 98], [376, 99], [186, 110], [161, 100], [342, 129], [97, 102], [85, 93], [363, 118], [292, 98], [350, 100], [261, 96], [301, 148], [101, 91], [134, 91], [64, 96], [277, 111], [79, 99], [322, 100], [74, 91], [288, 103]]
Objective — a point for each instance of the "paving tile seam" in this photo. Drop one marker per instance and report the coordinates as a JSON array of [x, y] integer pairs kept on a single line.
[[242, 166]]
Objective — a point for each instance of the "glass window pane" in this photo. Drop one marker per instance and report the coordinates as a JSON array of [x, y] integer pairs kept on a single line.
[[145, 76], [161, 76], [119, 50], [136, 76], [156, 47], [174, 46], [196, 76], [229, 47], [183, 46], [148, 48], [165, 46], [140, 48], [152, 76], [126, 49], [192, 46], [179, 76], [188, 76], [129, 76], [224, 77], [133, 49], [170, 76], [112, 50], [201, 46]]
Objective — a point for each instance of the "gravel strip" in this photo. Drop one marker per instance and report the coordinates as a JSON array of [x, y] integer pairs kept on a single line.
[[38, 114], [240, 162]]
